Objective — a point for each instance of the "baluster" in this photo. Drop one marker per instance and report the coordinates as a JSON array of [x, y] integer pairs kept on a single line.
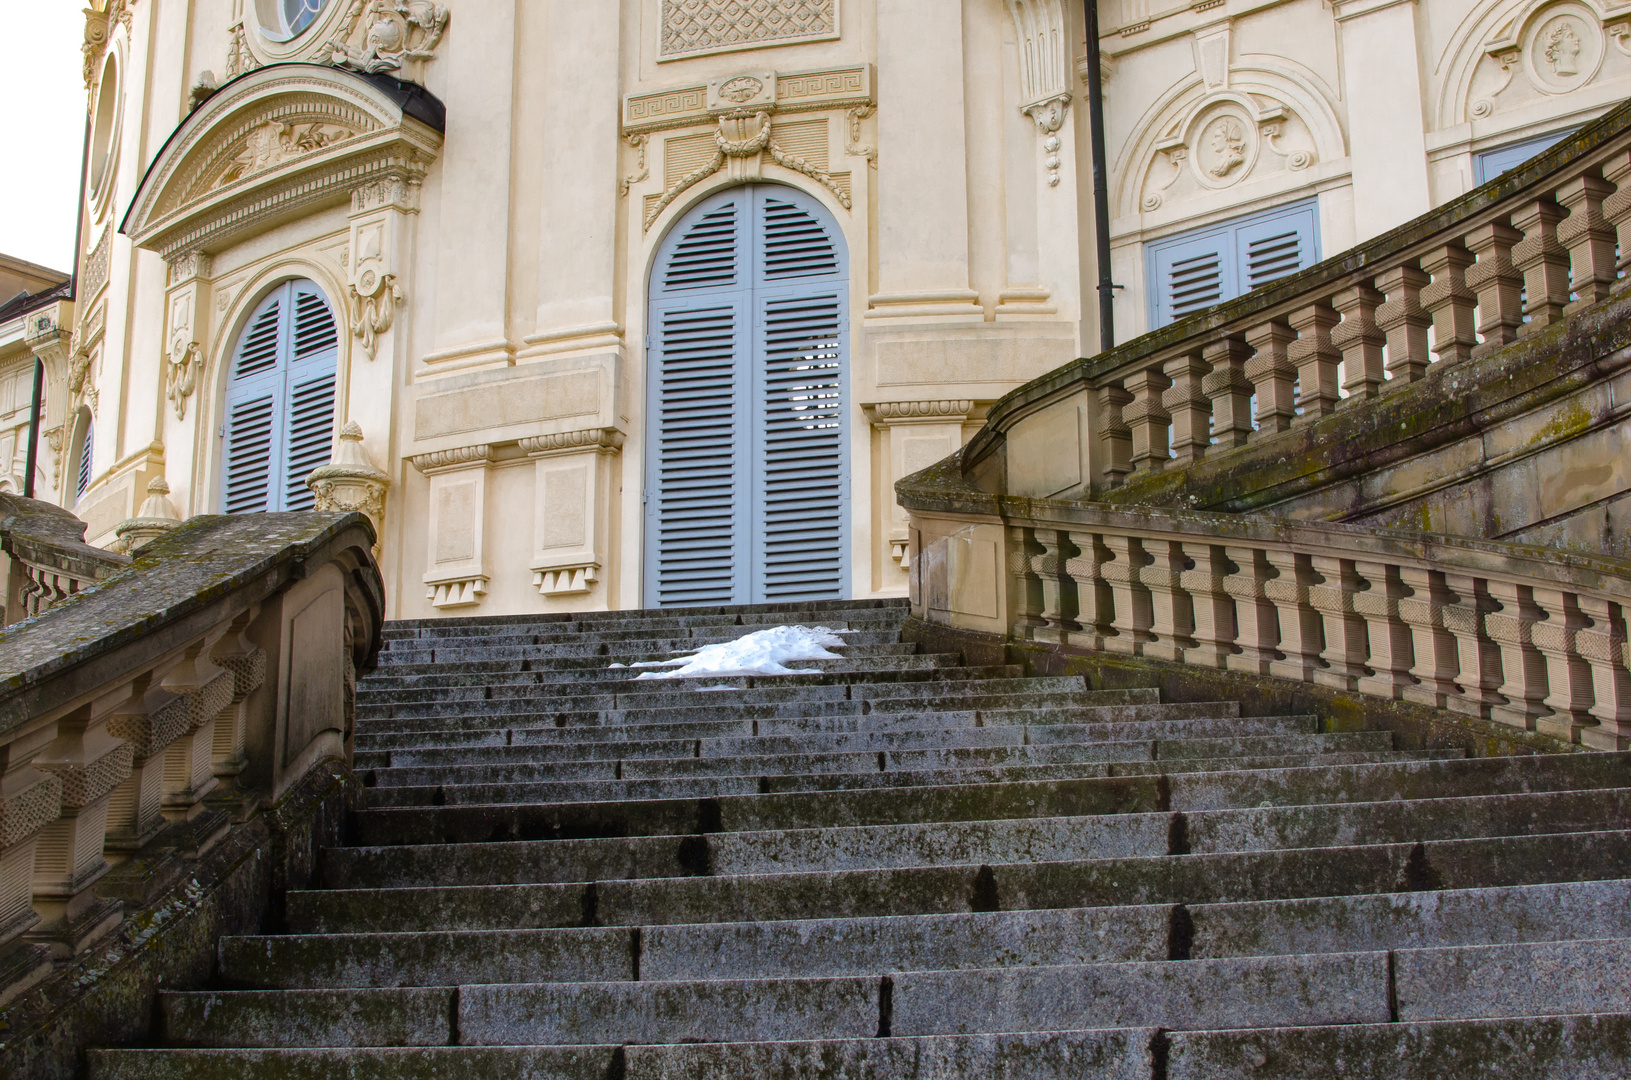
[[1214, 610], [1022, 552], [1273, 375], [1478, 657], [68, 860], [1436, 652], [247, 663], [1405, 322], [1172, 621], [1568, 676], [1590, 240], [1361, 341], [1095, 605], [1257, 623], [1316, 360], [1189, 407], [1499, 285], [1450, 302], [1603, 644], [1133, 611], [1544, 262], [30, 800], [1148, 419], [150, 721], [1617, 209], [1523, 669], [1387, 635], [1346, 646], [1300, 625], [1229, 390], [188, 775], [1058, 591], [1115, 437]]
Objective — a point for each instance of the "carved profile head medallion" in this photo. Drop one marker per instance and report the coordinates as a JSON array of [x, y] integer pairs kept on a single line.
[[1564, 47]]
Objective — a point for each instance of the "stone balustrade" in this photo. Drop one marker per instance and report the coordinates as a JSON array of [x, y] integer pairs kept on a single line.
[[1504, 262], [178, 695], [44, 558], [1520, 635]]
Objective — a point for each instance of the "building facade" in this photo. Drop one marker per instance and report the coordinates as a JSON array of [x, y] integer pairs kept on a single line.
[[643, 302]]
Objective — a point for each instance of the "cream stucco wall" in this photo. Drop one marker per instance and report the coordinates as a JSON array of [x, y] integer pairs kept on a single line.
[[490, 279]]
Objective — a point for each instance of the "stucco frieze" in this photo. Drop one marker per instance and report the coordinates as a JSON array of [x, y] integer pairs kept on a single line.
[[701, 27]]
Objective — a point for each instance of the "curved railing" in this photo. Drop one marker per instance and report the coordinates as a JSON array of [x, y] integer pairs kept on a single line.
[[48, 558], [1505, 261], [1521, 635]]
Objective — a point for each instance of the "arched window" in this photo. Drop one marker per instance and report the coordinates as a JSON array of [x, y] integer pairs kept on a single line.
[[87, 452], [747, 490], [280, 401]]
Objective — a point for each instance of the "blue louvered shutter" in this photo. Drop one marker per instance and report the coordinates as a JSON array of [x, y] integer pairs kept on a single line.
[[747, 480], [1194, 270], [280, 401], [801, 486], [87, 453], [1489, 164]]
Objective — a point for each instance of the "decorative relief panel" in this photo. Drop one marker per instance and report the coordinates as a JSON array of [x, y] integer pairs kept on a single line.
[[1553, 47], [698, 27], [1224, 142]]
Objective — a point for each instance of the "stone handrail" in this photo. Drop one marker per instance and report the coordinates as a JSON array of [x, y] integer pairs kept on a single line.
[[47, 557], [1503, 262], [195, 685], [1520, 635]]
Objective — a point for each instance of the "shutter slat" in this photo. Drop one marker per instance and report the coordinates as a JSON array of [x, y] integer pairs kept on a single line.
[[311, 430], [249, 454], [314, 329], [706, 256], [258, 349]]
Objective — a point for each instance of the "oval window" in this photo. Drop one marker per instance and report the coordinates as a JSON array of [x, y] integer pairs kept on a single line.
[[283, 20]]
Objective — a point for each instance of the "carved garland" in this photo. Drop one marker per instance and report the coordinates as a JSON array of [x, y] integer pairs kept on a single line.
[[746, 146]]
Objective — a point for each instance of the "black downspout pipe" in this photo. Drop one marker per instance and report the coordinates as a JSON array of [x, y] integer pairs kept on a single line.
[[73, 293], [1101, 182]]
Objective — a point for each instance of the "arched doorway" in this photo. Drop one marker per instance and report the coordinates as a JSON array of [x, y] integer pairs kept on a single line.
[[280, 401], [747, 489]]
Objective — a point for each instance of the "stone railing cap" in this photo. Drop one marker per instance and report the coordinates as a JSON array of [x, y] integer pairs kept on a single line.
[[194, 566]]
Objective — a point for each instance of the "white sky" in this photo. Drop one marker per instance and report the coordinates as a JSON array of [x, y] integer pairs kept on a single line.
[[43, 89]]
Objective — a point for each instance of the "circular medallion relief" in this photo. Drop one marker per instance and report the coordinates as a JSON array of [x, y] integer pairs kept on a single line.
[[742, 88], [1224, 148], [1565, 48], [285, 20]]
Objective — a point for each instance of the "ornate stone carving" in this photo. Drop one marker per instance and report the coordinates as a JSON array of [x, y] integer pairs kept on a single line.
[[745, 137], [181, 366], [610, 438], [394, 34], [374, 300], [98, 26], [442, 459], [157, 516], [856, 148], [692, 27], [351, 482], [275, 142], [1044, 72], [239, 58], [638, 143], [885, 412]]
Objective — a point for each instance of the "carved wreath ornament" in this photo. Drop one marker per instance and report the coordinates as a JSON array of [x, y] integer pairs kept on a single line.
[[398, 31]]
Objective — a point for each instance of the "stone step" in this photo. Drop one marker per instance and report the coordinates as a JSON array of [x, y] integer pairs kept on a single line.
[[1203, 719], [394, 661], [752, 748], [614, 767], [1014, 840], [564, 680], [1119, 1053], [881, 611], [714, 706], [1280, 874]]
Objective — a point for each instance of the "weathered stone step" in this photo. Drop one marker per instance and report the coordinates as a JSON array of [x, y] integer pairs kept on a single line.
[[576, 791], [710, 706], [1014, 840], [614, 767], [795, 747], [1591, 1045], [1116, 1054], [1173, 879], [394, 660], [889, 611], [1204, 719]]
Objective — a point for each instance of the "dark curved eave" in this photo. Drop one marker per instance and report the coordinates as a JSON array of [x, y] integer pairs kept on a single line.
[[414, 100]]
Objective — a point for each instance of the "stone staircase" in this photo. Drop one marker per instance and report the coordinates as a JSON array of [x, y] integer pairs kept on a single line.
[[907, 867]]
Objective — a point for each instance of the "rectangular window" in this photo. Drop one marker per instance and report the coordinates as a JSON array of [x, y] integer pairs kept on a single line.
[[1196, 269], [1489, 164]]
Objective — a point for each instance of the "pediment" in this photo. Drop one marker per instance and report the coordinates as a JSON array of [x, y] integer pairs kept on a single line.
[[279, 142]]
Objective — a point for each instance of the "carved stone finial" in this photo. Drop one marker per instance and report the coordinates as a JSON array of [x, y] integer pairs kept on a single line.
[[157, 516], [351, 482]]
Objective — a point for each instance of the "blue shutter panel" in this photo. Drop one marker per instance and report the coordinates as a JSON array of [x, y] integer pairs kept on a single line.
[[86, 454], [748, 497], [1272, 245], [1191, 274], [280, 402], [1194, 270]]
